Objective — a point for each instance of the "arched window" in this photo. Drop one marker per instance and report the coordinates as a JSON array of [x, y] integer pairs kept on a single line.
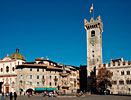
[[7, 69], [122, 72], [13, 84], [92, 33], [13, 69], [50, 83], [1, 69]]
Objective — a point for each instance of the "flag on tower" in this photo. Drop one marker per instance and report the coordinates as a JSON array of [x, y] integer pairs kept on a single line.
[[91, 9]]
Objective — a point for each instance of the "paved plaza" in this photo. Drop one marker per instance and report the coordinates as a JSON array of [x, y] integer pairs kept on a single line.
[[92, 97]]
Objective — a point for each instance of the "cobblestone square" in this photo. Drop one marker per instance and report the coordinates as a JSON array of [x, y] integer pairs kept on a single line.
[[92, 97]]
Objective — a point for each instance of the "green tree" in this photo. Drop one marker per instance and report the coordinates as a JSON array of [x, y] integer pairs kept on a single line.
[[104, 79]]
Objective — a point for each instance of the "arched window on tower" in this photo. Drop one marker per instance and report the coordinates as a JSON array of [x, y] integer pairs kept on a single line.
[[7, 69], [92, 33]]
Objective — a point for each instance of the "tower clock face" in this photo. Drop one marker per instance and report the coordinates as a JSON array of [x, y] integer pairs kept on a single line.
[[93, 40]]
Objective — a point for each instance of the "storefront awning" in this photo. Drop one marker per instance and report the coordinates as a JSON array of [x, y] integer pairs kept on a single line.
[[50, 89], [40, 89], [44, 89]]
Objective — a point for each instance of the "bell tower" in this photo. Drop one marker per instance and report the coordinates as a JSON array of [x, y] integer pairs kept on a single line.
[[94, 29]]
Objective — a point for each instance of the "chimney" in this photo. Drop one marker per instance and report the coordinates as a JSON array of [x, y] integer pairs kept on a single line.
[[57, 63], [41, 57], [47, 58]]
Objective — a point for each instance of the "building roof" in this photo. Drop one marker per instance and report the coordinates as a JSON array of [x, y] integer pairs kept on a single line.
[[17, 55], [41, 59], [7, 58], [38, 66]]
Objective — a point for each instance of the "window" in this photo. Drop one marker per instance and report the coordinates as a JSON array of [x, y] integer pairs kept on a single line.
[[13, 84], [7, 69], [93, 56], [50, 77], [122, 72], [42, 77], [37, 77], [97, 59], [114, 82], [128, 72], [1, 69], [55, 83], [37, 70], [37, 83], [50, 83], [13, 69], [92, 51], [92, 33], [30, 83], [20, 82], [30, 69], [121, 82], [42, 70], [30, 76], [127, 81]]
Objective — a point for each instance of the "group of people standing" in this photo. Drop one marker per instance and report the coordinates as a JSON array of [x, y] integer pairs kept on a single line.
[[10, 96]]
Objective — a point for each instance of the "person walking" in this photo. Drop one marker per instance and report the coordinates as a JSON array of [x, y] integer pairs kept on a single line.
[[2, 97], [11, 96], [15, 95]]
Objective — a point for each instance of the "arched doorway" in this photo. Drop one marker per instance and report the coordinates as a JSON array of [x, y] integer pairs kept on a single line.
[[6, 87], [1, 83], [29, 91]]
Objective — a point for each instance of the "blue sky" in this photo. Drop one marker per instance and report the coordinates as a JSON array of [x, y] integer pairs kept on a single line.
[[55, 28]]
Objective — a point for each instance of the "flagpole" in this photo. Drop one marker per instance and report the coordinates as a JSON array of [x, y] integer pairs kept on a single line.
[[93, 9]]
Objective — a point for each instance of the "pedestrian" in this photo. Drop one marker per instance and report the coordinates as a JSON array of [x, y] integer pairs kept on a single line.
[[15, 95], [11, 96], [28, 95], [7, 94], [105, 92], [2, 97]]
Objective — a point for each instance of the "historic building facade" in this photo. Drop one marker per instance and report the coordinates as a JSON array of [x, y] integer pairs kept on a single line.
[[8, 72], [121, 79], [121, 69], [94, 29], [19, 76], [46, 75]]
